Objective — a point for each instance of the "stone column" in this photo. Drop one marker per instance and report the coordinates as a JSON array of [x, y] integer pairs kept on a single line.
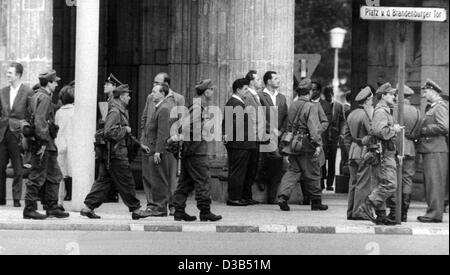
[[86, 72], [26, 29], [224, 39]]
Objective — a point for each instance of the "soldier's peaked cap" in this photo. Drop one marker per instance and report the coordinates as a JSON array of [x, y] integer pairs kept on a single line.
[[113, 80], [204, 85], [49, 75], [364, 94], [386, 88], [430, 84], [408, 91], [122, 89]]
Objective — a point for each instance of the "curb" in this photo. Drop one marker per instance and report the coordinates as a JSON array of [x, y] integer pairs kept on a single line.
[[209, 228]]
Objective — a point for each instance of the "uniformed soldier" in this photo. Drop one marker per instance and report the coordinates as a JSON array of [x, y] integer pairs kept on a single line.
[[116, 131], [195, 165], [385, 172], [45, 172], [434, 149], [412, 130], [111, 83], [356, 133], [304, 120]]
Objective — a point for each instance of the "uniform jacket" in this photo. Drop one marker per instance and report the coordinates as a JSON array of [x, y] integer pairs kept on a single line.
[[157, 132], [195, 146], [308, 122], [435, 128], [44, 116], [232, 142], [115, 132], [10, 116], [383, 122], [358, 127], [413, 122]]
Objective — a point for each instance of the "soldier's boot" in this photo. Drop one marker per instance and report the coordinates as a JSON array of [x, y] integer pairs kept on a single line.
[[56, 212], [207, 216], [382, 219], [316, 205], [367, 209], [30, 213], [68, 185], [182, 216], [306, 201], [282, 202], [405, 207]]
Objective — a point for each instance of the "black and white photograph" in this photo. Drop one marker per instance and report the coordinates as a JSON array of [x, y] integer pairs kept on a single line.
[[221, 133]]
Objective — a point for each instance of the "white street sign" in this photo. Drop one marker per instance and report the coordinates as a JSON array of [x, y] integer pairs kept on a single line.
[[404, 13]]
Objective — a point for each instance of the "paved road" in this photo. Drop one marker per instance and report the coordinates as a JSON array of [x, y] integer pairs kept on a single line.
[[87, 243]]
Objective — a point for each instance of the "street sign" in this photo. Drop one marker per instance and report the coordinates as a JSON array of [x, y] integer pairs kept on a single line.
[[305, 65], [404, 13]]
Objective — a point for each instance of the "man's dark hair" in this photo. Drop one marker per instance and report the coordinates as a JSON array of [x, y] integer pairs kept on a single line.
[[251, 76], [268, 76], [328, 92], [166, 78], [164, 89], [67, 95], [18, 67], [43, 82], [318, 86], [239, 84]]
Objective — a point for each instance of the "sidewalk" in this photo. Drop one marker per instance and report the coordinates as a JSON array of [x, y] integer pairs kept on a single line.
[[254, 219]]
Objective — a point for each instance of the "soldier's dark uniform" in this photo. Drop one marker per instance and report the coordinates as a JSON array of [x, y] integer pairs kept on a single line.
[[195, 173], [434, 149], [305, 165], [412, 129], [45, 173], [385, 172], [119, 172], [357, 129]]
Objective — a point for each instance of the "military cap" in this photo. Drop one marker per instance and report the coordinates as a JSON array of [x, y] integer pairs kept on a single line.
[[204, 85], [408, 91], [113, 80], [430, 84], [50, 76], [386, 88], [122, 89], [364, 94], [305, 84]]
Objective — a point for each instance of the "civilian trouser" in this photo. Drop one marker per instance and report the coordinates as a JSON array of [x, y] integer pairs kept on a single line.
[[270, 173], [307, 168], [408, 172], [435, 170], [157, 181], [360, 187], [10, 149], [385, 176], [195, 175], [242, 165], [121, 177], [331, 173], [45, 175]]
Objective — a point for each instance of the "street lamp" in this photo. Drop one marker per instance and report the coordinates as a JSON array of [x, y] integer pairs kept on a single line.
[[337, 42]]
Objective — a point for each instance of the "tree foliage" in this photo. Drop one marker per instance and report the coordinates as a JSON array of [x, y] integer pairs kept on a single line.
[[314, 20]]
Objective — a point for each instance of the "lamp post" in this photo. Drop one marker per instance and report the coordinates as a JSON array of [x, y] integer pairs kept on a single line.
[[337, 42]]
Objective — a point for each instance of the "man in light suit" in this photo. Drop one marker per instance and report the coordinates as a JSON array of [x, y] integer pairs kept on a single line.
[[173, 100], [270, 171], [14, 110]]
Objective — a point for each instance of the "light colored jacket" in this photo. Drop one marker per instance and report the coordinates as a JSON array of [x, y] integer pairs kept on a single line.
[[64, 119]]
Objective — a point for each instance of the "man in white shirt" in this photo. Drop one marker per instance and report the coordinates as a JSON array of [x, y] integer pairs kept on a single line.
[[14, 103]]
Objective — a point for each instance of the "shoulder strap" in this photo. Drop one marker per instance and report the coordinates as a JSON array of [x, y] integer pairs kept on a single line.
[[297, 115]]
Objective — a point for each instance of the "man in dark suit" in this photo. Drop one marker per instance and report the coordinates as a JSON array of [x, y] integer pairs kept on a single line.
[[14, 103], [241, 147], [270, 171]]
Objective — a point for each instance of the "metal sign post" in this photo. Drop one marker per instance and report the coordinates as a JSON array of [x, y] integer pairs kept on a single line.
[[403, 15]]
